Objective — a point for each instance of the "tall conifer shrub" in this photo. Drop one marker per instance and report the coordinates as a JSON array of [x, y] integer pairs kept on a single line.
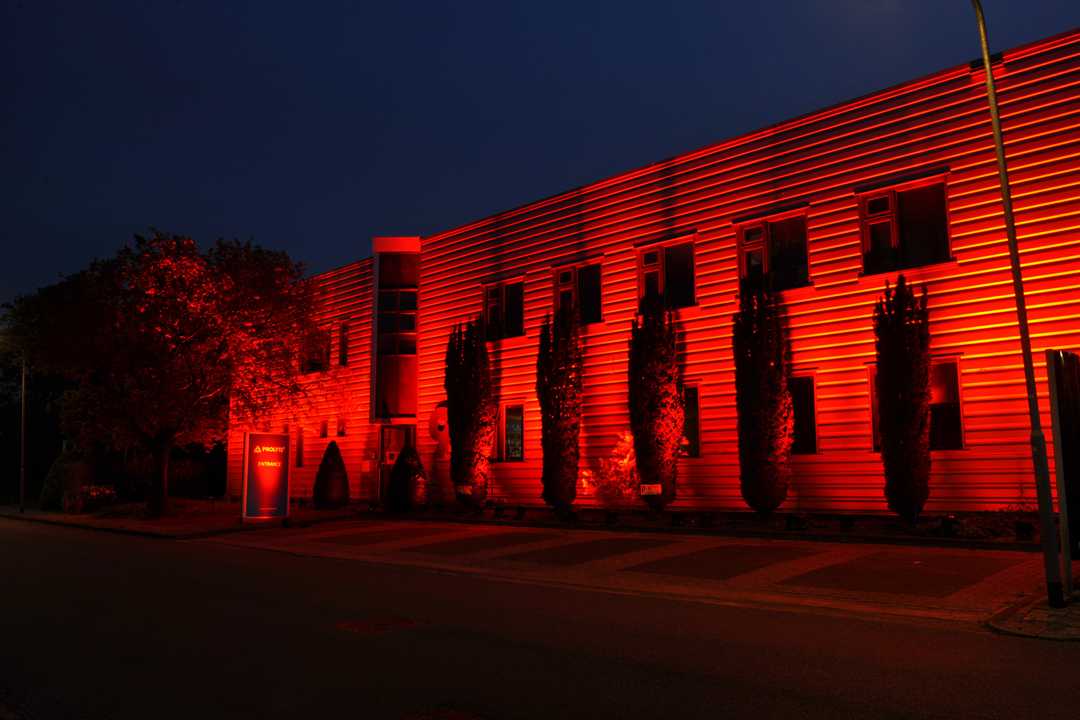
[[472, 412], [656, 404], [558, 389], [902, 385], [762, 398]]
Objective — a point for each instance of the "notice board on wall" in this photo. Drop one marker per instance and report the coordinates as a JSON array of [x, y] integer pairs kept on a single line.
[[266, 476]]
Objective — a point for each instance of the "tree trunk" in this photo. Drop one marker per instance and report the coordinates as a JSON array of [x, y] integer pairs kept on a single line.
[[159, 489]]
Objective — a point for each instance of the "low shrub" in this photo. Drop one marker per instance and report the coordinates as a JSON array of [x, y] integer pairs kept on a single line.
[[616, 482], [407, 487], [331, 480], [69, 473]]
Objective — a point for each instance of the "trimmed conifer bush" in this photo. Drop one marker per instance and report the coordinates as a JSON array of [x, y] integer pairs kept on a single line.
[[407, 481], [656, 404], [472, 412], [331, 480], [902, 385], [762, 398], [558, 389]]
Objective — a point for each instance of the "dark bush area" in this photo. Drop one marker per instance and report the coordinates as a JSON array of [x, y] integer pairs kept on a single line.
[[407, 488], [332, 480]]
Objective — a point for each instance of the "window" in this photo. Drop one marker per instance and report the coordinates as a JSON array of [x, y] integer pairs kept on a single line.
[[946, 419], [397, 322], [315, 353], [323, 430], [341, 427], [343, 344], [775, 250], [513, 445], [691, 444], [579, 287], [504, 310], [299, 447], [946, 427], [399, 270], [904, 228], [668, 272], [804, 441]]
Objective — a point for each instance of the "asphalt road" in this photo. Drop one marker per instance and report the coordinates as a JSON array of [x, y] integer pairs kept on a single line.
[[103, 626]]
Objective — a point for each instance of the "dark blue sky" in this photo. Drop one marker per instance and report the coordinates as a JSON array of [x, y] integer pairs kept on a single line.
[[312, 126]]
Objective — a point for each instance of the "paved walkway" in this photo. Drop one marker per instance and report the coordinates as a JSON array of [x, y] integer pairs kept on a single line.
[[935, 584]]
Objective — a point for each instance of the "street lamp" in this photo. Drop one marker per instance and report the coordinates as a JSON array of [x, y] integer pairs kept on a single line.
[[1054, 589]]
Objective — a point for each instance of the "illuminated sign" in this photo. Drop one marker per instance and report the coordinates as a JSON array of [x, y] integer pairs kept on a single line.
[[266, 476]]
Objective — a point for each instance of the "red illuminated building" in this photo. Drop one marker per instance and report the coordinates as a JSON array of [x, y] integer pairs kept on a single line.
[[830, 205]]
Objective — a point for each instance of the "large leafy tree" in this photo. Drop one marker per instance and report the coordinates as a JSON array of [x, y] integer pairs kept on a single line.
[[902, 384], [162, 342], [472, 411], [656, 404], [762, 398], [558, 389]]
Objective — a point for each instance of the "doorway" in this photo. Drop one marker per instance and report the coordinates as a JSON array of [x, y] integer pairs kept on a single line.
[[392, 439]]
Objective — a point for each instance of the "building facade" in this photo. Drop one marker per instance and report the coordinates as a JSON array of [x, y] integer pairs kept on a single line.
[[830, 206]]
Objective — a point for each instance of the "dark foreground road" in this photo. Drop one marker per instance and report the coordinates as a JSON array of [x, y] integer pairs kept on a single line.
[[104, 626]]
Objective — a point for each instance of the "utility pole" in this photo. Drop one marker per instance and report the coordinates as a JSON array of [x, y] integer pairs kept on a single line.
[[1054, 589], [22, 441]]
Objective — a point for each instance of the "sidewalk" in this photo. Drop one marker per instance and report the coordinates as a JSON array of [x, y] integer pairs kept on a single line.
[[187, 519], [1034, 618]]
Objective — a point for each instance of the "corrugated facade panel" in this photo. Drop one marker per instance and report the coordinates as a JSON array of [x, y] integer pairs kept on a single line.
[[342, 296], [820, 159]]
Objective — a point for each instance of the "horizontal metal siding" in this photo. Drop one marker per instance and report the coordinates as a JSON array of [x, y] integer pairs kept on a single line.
[[820, 158], [343, 295]]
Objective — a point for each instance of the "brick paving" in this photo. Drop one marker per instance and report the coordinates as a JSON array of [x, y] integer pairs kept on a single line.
[[921, 583]]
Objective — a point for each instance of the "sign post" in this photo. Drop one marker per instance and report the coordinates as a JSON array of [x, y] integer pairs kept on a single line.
[[266, 477]]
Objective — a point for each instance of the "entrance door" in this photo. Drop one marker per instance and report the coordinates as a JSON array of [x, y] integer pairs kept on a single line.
[[392, 439]]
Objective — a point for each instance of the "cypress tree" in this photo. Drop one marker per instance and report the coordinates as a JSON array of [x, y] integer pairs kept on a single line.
[[656, 404], [331, 480], [762, 398], [902, 384], [472, 411], [558, 389]]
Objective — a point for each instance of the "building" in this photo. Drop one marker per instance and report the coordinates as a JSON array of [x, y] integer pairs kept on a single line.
[[831, 205]]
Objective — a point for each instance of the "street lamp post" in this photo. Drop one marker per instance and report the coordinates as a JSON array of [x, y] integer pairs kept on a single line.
[[22, 440], [1054, 588]]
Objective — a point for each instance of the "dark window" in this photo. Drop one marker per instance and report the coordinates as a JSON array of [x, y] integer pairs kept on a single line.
[[504, 311], [514, 432], [776, 250], [679, 275], [589, 294], [343, 344], [668, 272], [946, 427], [341, 427], [397, 322], [323, 429], [299, 447], [315, 354], [875, 430], [579, 287], [399, 270], [804, 439], [905, 228], [691, 422]]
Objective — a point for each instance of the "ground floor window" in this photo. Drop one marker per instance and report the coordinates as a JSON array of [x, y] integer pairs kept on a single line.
[[691, 422], [513, 433], [804, 440], [946, 425]]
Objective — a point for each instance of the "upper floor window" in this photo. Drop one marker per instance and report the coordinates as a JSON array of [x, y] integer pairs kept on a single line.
[[775, 249], [668, 272], [504, 310], [315, 352], [904, 227], [397, 322], [579, 287], [343, 344]]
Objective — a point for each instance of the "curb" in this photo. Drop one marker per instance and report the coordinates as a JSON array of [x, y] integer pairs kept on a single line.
[[999, 622], [164, 535]]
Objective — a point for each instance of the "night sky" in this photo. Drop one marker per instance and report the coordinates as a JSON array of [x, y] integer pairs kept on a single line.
[[312, 126]]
